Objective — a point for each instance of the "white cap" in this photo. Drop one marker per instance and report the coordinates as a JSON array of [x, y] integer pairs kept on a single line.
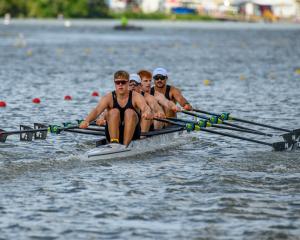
[[135, 77], [160, 71]]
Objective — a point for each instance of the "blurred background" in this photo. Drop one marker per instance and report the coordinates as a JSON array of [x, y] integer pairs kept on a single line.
[[233, 10]]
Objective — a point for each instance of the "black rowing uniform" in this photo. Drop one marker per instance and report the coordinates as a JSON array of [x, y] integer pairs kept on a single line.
[[129, 105], [167, 93]]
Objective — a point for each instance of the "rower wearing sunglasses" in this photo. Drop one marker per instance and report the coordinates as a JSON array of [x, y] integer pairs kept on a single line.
[[160, 76], [125, 109], [157, 110], [160, 99]]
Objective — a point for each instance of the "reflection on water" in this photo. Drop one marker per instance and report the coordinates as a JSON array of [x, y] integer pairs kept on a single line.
[[212, 187]]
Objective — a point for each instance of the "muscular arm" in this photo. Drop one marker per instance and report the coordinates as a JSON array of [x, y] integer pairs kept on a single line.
[[154, 105], [140, 102], [102, 105], [176, 93], [163, 101]]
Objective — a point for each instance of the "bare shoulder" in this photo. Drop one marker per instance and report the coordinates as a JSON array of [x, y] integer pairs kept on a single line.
[[107, 97], [136, 94], [174, 89]]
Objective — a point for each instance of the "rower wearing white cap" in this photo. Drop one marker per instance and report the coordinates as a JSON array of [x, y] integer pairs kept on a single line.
[[160, 76], [157, 110], [134, 82]]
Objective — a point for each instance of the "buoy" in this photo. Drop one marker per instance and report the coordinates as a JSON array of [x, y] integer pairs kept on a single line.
[[36, 100], [242, 77], [2, 104], [206, 82], [95, 94], [87, 51], [297, 71], [68, 98], [29, 53]]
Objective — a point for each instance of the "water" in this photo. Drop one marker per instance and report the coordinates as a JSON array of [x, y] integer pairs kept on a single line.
[[211, 188]]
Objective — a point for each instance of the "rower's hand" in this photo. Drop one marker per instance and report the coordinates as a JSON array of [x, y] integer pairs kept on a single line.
[[160, 115], [84, 124], [101, 122], [188, 107], [176, 109], [147, 115]]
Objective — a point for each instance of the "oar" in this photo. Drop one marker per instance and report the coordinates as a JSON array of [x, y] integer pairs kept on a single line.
[[226, 116], [40, 131], [217, 120], [205, 123], [277, 146], [26, 133]]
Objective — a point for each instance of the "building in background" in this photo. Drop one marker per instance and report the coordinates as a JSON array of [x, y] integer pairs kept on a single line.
[[269, 8], [117, 5], [150, 6], [254, 9]]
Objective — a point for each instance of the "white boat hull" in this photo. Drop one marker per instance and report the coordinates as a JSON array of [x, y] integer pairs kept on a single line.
[[138, 147]]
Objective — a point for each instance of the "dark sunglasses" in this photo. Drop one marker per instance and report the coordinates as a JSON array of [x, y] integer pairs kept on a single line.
[[121, 82], [159, 77]]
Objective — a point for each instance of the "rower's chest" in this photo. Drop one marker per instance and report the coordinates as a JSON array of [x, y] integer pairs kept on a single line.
[[122, 102]]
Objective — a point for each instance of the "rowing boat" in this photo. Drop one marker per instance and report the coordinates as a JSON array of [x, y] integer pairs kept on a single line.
[[172, 136], [150, 142]]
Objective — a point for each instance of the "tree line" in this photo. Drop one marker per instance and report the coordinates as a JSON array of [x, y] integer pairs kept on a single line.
[[54, 8]]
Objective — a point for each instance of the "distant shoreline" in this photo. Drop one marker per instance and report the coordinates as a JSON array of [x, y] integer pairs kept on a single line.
[[151, 23]]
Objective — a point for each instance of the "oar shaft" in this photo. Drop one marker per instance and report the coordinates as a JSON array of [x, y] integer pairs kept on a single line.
[[237, 137], [260, 124], [170, 121], [227, 123], [225, 127], [245, 121], [24, 131], [205, 112]]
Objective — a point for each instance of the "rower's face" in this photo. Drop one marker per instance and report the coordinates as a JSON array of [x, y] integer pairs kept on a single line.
[[160, 81], [133, 86], [121, 85], [146, 84]]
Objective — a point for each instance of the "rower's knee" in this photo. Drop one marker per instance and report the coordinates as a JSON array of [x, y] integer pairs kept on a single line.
[[130, 114], [113, 114]]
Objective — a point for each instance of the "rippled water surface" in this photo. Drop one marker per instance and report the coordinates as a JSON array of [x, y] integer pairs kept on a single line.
[[211, 188]]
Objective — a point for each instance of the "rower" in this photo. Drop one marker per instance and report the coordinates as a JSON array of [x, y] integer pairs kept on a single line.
[[134, 84], [123, 111], [160, 76], [167, 105], [157, 110]]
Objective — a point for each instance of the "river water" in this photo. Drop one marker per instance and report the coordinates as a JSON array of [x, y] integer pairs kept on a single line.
[[211, 188]]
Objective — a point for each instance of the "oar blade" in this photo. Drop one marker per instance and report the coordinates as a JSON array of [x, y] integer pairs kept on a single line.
[[26, 136], [40, 135], [3, 136]]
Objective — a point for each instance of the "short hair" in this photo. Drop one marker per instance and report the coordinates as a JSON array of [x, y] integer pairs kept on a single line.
[[145, 73], [121, 74]]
